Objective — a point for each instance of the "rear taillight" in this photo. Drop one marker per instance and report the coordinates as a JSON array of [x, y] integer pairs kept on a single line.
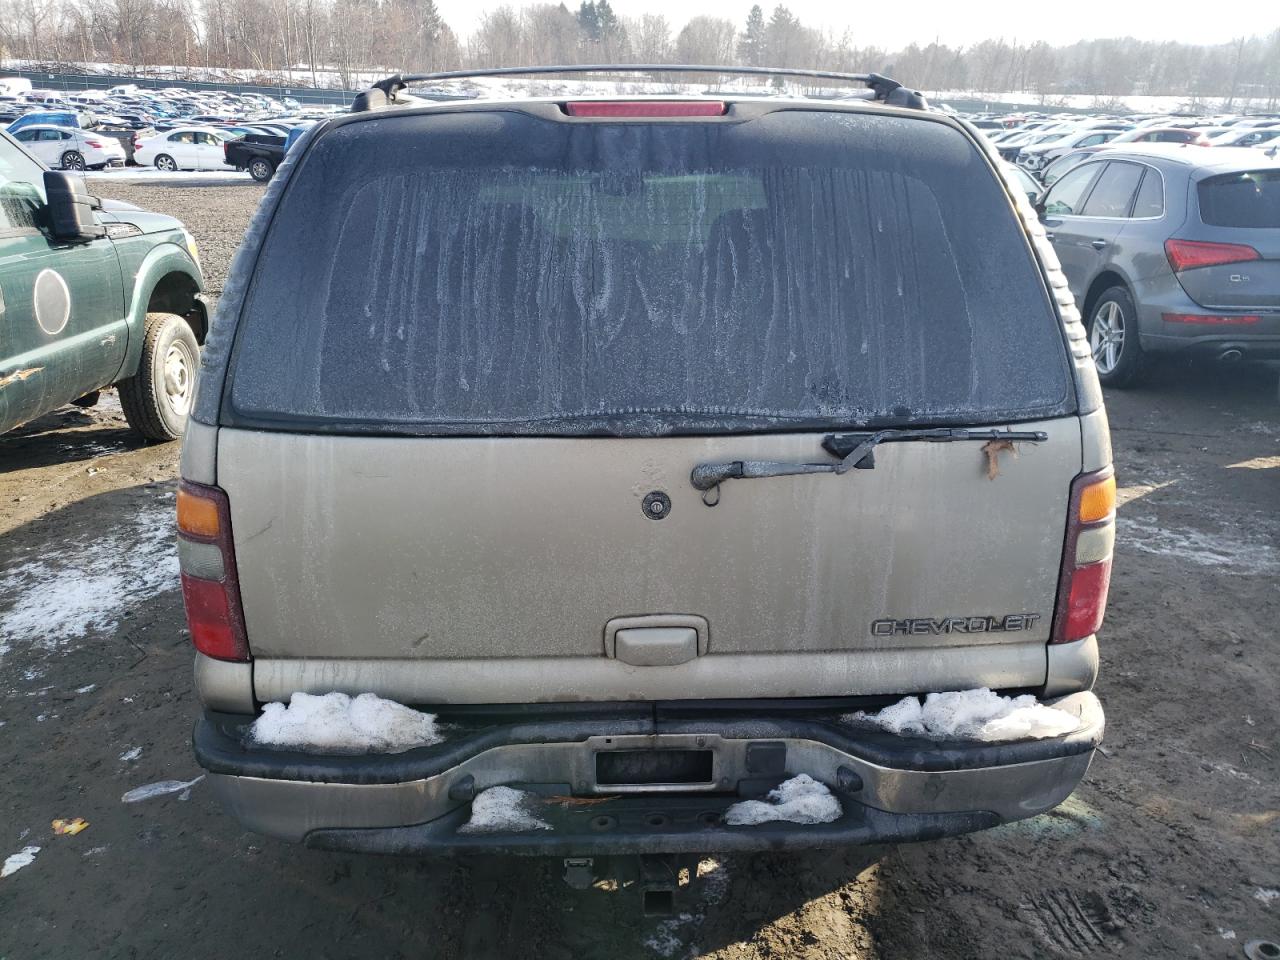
[[645, 108], [1086, 557], [1189, 254], [210, 587], [96, 144]]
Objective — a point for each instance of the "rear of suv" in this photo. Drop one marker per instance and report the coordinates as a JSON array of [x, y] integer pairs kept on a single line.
[[1169, 250], [644, 444]]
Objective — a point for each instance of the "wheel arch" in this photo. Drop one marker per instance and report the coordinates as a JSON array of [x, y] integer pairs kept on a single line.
[[167, 281], [1104, 281]]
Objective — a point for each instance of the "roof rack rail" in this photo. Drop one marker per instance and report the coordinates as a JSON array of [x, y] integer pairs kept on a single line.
[[384, 93]]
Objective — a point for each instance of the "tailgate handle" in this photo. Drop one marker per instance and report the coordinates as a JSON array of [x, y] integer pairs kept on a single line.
[[656, 646], [656, 640]]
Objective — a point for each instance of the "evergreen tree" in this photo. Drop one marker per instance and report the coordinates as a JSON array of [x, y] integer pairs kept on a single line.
[[751, 47]]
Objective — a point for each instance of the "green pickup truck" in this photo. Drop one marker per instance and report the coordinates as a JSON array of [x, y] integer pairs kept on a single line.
[[93, 293]]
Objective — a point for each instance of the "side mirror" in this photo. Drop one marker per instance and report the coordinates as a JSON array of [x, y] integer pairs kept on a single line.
[[1039, 205], [71, 217]]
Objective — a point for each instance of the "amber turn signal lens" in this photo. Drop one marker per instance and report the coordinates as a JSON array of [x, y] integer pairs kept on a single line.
[[1098, 500], [197, 516]]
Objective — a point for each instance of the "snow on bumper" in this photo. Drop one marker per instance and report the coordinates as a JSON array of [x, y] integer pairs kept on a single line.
[[891, 788]]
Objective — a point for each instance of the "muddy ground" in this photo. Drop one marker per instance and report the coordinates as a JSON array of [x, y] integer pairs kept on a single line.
[[1169, 848]]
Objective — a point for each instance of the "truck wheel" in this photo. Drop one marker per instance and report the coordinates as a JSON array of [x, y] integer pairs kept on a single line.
[[166, 163], [157, 398], [1113, 338], [72, 160], [261, 169]]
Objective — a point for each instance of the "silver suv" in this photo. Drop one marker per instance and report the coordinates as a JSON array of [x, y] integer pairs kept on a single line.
[[1171, 249], [653, 448]]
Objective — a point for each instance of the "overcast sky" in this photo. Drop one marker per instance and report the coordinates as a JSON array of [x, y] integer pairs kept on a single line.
[[894, 25]]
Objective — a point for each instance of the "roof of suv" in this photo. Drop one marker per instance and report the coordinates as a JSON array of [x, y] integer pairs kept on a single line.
[[1213, 160]]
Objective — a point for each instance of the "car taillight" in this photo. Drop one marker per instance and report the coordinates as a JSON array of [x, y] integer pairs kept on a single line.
[[96, 144], [1086, 557], [210, 586], [645, 108], [1189, 254]]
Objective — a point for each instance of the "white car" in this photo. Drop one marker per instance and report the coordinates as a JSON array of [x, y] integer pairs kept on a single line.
[[185, 148], [66, 148]]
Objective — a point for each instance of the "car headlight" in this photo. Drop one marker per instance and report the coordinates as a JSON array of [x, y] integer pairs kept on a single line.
[[191, 246]]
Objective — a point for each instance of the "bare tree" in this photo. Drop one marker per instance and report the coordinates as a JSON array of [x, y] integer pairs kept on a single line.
[[706, 40]]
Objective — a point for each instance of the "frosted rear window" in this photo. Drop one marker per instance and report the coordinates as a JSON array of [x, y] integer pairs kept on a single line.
[[496, 272]]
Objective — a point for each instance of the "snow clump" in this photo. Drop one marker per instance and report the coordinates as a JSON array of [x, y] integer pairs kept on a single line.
[[337, 723], [973, 715], [798, 800]]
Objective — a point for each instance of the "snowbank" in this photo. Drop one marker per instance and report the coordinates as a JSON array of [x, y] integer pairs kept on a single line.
[[503, 810], [337, 723], [798, 800], [973, 715]]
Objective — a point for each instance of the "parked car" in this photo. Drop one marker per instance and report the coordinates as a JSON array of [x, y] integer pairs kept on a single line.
[[1182, 135], [260, 154], [1247, 137], [1038, 156], [184, 148], [56, 118], [1167, 249], [71, 324], [640, 451], [66, 148], [1023, 180]]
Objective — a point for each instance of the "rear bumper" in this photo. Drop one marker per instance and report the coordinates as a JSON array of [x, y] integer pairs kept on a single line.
[[1259, 340], [892, 789]]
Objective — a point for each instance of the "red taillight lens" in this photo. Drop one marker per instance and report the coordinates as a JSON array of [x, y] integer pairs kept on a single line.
[[1189, 254], [209, 617], [1087, 601], [645, 108], [210, 586], [1086, 558], [96, 144]]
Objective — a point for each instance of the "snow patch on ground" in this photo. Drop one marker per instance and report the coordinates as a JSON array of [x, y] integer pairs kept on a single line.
[[972, 715], [17, 861], [503, 810], [1266, 895], [335, 722], [133, 753], [87, 587], [798, 800], [1235, 550]]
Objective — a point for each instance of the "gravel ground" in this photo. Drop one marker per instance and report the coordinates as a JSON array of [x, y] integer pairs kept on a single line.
[[1169, 848]]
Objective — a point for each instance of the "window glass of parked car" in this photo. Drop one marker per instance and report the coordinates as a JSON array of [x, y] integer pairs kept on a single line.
[[1094, 139], [186, 136], [1114, 192], [1150, 202], [1241, 200], [1068, 194]]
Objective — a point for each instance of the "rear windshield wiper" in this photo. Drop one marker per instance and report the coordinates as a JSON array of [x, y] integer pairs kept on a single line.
[[707, 477]]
